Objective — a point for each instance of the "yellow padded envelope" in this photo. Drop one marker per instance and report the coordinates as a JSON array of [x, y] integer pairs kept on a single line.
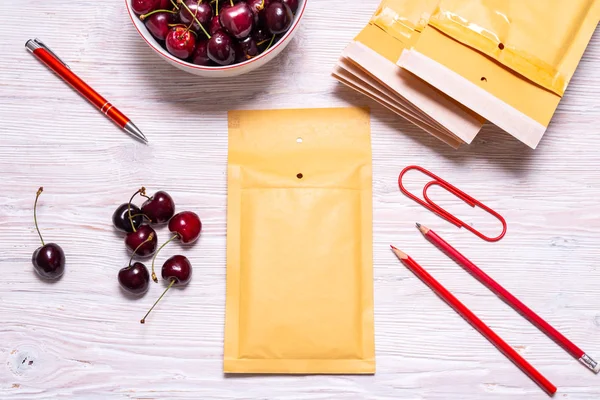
[[299, 243], [510, 61]]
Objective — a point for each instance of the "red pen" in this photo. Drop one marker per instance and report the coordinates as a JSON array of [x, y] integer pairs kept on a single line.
[[60, 68]]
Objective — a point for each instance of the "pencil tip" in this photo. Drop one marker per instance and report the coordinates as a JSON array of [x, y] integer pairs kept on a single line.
[[418, 225], [393, 248]]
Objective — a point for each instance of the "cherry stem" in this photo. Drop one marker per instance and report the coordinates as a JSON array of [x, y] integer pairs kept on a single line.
[[154, 278], [217, 8], [231, 2], [194, 17], [150, 237], [143, 17], [141, 215], [142, 191], [270, 43], [37, 196], [262, 42], [143, 320], [174, 4]]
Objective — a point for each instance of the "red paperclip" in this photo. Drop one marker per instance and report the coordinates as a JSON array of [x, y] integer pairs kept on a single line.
[[430, 205]]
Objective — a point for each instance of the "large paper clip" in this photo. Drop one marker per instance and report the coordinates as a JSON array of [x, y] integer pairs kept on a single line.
[[430, 205]]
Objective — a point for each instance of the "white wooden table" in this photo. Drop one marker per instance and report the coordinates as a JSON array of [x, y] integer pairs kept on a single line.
[[80, 337]]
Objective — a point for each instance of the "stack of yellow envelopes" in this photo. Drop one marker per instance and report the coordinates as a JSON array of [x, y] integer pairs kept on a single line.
[[449, 65]]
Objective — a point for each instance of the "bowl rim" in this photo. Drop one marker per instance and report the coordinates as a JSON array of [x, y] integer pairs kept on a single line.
[[166, 54]]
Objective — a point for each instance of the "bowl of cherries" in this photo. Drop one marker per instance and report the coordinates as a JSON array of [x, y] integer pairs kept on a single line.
[[216, 38]]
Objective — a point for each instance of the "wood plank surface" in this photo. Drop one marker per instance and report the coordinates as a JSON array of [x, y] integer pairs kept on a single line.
[[80, 337]]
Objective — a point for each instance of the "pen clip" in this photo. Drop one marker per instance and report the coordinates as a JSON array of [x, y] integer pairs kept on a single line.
[[34, 44]]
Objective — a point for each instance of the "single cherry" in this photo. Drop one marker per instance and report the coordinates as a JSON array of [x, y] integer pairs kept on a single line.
[[138, 239], [121, 220], [237, 20], [177, 268], [215, 25], [178, 271], [186, 227], [200, 55], [135, 278], [157, 22], [159, 208], [278, 17], [144, 6], [48, 260], [195, 13], [220, 48], [180, 42]]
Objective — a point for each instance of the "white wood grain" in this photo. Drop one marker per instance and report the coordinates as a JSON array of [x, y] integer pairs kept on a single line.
[[80, 337]]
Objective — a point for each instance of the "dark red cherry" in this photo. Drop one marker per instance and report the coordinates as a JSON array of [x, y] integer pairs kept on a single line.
[[144, 6], [177, 268], [292, 4], [186, 225], [159, 208], [180, 42], [158, 24], [248, 48], [221, 49], [178, 271], [134, 278], [120, 218], [165, 4], [278, 17], [200, 55], [135, 240], [237, 20], [193, 12], [215, 25], [49, 261]]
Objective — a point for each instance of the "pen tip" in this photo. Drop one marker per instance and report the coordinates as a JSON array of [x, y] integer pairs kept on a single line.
[[135, 132]]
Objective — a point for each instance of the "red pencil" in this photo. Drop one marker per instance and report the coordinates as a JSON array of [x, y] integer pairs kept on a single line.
[[472, 319], [511, 300]]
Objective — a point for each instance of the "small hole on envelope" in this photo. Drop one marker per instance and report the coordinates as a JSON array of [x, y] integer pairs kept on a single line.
[[299, 140], [501, 46], [483, 79], [299, 176]]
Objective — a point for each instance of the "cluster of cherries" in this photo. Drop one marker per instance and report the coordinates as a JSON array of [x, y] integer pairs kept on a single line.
[[141, 240], [212, 33]]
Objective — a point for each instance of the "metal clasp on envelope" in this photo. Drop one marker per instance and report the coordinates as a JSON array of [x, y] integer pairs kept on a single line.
[[432, 206]]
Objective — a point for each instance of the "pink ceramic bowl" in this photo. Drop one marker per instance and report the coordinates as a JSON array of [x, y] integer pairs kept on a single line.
[[218, 72]]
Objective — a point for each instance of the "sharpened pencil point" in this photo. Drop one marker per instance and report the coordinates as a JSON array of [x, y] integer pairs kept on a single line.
[[399, 253], [418, 224]]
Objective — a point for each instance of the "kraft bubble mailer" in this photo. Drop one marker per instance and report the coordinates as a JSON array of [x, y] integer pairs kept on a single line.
[[299, 243]]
